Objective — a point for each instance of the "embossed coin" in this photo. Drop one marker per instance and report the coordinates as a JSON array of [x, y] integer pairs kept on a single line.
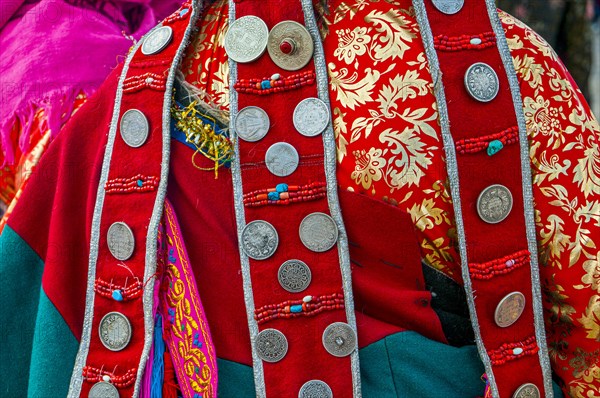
[[282, 159], [311, 117], [339, 339], [318, 232], [482, 82], [103, 389], [271, 345], [449, 6], [509, 309], [290, 46], [527, 390], [259, 240], [157, 40], [252, 123], [294, 276], [494, 204], [134, 128], [120, 240], [246, 39], [315, 389], [115, 331]]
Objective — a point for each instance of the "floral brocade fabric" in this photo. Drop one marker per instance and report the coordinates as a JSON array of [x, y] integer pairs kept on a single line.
[[390, 147]]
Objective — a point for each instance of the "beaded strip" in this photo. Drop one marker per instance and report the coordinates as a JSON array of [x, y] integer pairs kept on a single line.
[[284, 194], [511, 351], [275, 83], [464, 42], [308, 306], [138, 183], [147, 80], [117, 292], [473, 145], [180, 13], [95, 375], [149, 64], [499, 266]]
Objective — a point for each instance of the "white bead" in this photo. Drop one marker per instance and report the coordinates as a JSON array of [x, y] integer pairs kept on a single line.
[[510, 263], [106, 378], [275, 76], [149, 80], [476, 41], [307, 299], [517, 351]]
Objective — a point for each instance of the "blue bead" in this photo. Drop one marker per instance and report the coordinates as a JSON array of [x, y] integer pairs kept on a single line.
[[265, 84], [494, 147], [273, 195], [296, 308], [281, 188], [140, 183], [183, 12], [117, 295]]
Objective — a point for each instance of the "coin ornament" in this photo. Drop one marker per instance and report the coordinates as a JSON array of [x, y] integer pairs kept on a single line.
[[318, 232], [449, 7], [120, 241], [134, 128], [290, 45], [246, 39], [252, 124], [157, 40], [509, 309], [315, 389], [339, 339], [482, 82], [294, 276], [282, 159], [528, 390], [103, 389], [259, 240], [115, 331], [271, 345], [311, 117], [494, 204]]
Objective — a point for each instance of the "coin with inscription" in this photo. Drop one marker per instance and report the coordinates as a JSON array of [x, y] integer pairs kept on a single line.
[[294, 276], [494, 204], [311, 117], [246, 39], [252, 123], [115, 331], [339, 339], [449, 6], [315, 389], [527, 390], [120, 240], [282, 159], [318, 232], [134, 128], [290, 45], [482, 82], [271, 345], [103, 389], [259, 240], [509, 309], [157, 40]]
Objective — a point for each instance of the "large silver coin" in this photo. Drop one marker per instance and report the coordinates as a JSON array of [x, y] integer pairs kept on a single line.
[[527, 391], [315, 389], [339, 339], [252, 124], [103, 389], [482, 82], [311, 117], [282, 159], [294, 276], [449, 6], [115, 331], [318, 232], [290, 45], [134, 128], [509, 309], [271, 345], [157, 40], [120, 240], [494, 204], [259, 240], [246, 39]]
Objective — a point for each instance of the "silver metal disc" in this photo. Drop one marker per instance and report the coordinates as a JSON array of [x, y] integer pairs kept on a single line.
[[252, 124], [259, 240], [311, 117], [294, 276], [115, 331], [449, 7], [494, 204], [339, 339], [318, 232], [120, 241], [134, 128], [301, 43], [509, 309], [271, 345], [527, 390], [246, 39], [157, 40], [282, 159], [103, 389], [481, 81], [315, 389]]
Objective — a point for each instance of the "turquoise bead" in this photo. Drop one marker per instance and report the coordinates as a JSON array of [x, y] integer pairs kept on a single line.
[[296, 308], [117, 295], [494, 147], [140, 183], [281, 188], [265, 84], [273, 195]]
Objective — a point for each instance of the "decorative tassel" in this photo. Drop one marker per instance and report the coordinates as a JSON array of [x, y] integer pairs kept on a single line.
[[488, 390], [158, 366], [170, 388]]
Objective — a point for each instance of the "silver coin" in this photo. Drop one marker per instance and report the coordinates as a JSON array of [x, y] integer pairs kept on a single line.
[[315, 389], [509, 309], [103, 389], [318, 232], [134, 128], [271, 345], [494, 204], [527, 390], [282, 159], [311, 117], [115, 331], [246, 39], [298, 41], [339, 339], [259, 240], [482, 82], [449, 6], [294, 276], [157, 40], [252, 124], [120, 240]]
